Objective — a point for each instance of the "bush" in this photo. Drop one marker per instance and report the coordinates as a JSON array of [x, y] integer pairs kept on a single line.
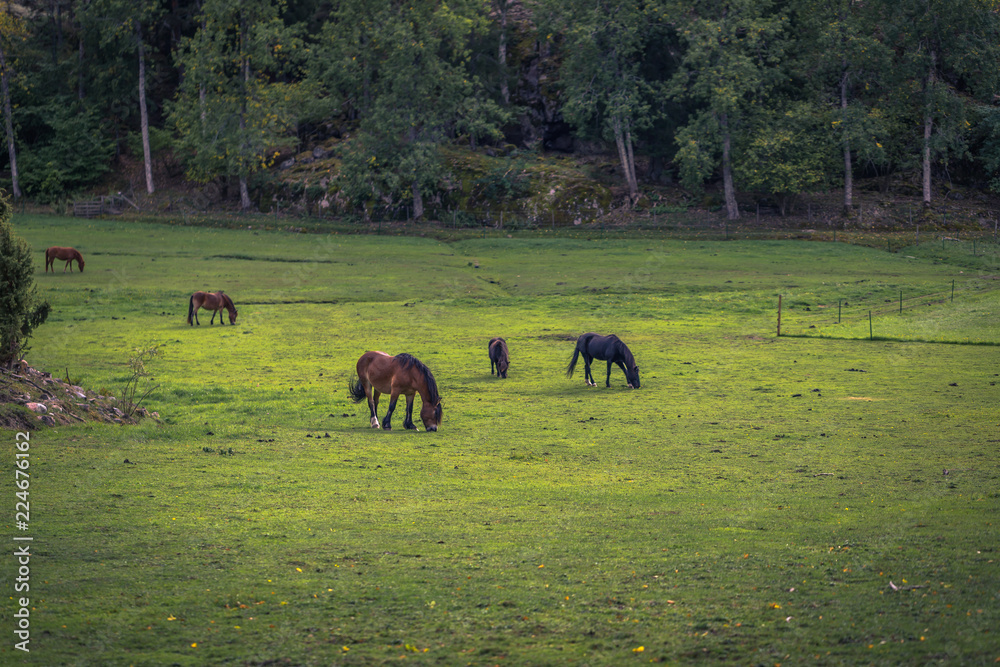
[[20, 310], [507, 181]]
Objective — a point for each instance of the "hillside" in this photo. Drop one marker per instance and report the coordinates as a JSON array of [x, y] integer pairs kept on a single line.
[[505, 187]]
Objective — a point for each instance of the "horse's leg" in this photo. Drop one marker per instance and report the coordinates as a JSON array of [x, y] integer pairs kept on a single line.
[[386, 425], [607, 380], [213, 317], [197, 308], [587, 375], [373, 395], [408, 422], [624, 370], [68, 267]]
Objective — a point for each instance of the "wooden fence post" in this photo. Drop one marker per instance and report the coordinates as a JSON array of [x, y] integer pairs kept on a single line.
[[779, 316]]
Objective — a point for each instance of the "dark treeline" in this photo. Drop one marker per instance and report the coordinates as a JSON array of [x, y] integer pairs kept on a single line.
[[776, 97]]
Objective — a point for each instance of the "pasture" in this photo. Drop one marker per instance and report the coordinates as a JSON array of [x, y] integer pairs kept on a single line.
[[818, 498]]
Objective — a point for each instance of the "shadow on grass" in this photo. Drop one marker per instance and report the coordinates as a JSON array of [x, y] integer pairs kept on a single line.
[[894, 339]]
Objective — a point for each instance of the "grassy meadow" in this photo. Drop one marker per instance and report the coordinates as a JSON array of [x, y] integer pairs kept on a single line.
[[829, 496]]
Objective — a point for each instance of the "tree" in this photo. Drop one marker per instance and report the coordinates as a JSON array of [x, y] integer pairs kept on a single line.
[[947, 55], [734, 50], [21, 312], [122, 23], [845, 67], [784, 153], [235, 107], [12, 30], [403, 68], [602, 55]]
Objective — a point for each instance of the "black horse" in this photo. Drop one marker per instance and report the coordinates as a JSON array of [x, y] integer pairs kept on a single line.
[[606, 348], [499, 357]]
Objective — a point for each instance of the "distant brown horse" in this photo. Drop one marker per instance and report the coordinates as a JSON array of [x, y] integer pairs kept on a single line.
[[379, 373], [67, 254], [499, 356], [214, 301]]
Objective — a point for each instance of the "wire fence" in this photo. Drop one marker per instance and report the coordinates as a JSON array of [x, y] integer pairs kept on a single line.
[[870, 316]]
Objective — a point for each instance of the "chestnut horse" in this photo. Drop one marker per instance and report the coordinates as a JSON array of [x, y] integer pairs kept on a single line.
[[379, 373], [211, 301], [67, 254], [610, 348], [499, 356]]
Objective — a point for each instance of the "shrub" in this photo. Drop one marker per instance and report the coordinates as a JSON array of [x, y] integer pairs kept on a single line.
[[20, 310]]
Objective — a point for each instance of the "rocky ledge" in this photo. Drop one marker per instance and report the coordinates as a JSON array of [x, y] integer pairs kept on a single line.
[[30, 398]]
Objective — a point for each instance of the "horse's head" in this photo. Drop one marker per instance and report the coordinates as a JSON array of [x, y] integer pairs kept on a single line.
[[232, 316], [503, 366], [633, 377], [431, 416], [80, 262]]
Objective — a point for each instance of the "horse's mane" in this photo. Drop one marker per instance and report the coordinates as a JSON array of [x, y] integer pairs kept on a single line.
[[227, 301], [622, 348], [408, 361]]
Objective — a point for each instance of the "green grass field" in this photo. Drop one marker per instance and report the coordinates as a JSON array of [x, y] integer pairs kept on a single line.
[[816, 498]]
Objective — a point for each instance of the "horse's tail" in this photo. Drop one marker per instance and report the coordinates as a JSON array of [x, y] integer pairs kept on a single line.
[[357, 390], [191, 309], [572, 363]]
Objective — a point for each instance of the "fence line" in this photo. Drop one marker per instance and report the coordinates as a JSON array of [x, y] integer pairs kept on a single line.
[[868, 312]]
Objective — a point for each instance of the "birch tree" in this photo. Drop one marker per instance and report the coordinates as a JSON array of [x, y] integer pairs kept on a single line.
[[946, 58], [403, 68], [233, 110], [121, 23], [731, 63], [601, 57], [12, 31]]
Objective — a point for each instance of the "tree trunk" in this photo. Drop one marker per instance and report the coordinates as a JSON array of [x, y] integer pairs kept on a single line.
[[624, 150], [928, 129], [143, 114], [418, 202], [245, 203], [633, 180], [502, 52], [9, 123], [732, 208], [848, 167], [80, 78]]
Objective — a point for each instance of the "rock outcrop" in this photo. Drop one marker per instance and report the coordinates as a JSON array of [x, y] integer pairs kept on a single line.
[[31, 398]]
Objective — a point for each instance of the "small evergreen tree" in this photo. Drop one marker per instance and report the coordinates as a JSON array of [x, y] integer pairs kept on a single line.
[[21, 312]]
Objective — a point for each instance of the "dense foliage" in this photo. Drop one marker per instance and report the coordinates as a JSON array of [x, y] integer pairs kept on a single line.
[[775, 97], [21, 311]]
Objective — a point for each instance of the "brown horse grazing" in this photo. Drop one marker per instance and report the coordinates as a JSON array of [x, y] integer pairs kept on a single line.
[[67, 254], [379, 373], [499, 356], [211, 301]]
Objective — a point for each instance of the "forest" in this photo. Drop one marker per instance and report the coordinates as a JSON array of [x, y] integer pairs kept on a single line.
[[776, 97]]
